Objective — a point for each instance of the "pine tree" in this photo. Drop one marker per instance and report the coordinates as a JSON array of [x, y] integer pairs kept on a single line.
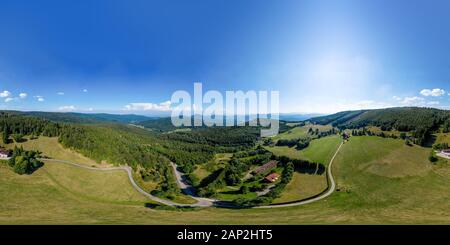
[[5, 135]]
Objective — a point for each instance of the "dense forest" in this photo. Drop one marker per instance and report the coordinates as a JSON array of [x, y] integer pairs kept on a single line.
[[120, 144], [421, 122], [337, 118]]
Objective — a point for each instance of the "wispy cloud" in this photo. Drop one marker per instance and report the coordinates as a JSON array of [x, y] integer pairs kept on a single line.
[[9, 100], [164, 106], [418, 101], [67, 108], [432, 92], [60, 93], [413, 101], [23, 95], [40, 98], [85, 90]]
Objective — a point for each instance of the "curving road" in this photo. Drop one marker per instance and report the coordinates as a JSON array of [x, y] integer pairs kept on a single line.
[[129, 172], [330, 190], [189, 190]]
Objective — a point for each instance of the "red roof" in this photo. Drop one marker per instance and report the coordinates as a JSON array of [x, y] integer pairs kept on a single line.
[[272, 177], [269, 165]]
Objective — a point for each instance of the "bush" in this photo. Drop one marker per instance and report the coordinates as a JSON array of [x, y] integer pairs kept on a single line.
[[440, 146], [432, 158], [244, 189], [25, 162]]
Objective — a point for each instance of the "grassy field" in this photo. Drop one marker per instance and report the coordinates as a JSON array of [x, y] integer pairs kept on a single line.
[[320, 150], [300, 132], [294, 133], [388, 157], [51, 148], [367, 195], [302, 186]]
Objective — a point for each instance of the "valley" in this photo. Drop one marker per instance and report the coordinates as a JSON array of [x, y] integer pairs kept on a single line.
[[379, 177]]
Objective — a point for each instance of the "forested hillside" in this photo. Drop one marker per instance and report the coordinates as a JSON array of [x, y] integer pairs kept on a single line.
[[83, 118], [124, 144], [114, 143], [421, 122], [337, 118]]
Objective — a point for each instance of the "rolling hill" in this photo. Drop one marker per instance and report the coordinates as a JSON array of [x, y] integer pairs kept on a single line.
[[400, 118], [379, 180]]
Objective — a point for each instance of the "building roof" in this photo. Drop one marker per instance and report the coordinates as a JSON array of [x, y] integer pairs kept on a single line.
[[272, 177], [269, 165], [446, 150]]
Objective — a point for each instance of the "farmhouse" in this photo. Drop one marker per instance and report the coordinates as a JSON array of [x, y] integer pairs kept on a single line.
[[272, 177], [4, 154], [264, 168]]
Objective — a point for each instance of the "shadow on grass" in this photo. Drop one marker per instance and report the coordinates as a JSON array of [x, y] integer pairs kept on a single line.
[[169, 208]]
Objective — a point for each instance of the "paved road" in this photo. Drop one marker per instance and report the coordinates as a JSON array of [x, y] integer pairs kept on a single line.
[[129, 171], [330, 190], [189, 190]]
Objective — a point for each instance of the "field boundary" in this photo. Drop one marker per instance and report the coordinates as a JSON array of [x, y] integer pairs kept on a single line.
[[318, 197], [203, 202]]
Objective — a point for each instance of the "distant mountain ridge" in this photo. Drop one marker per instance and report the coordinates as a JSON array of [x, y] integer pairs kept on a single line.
[[400, 118], [84, 118]]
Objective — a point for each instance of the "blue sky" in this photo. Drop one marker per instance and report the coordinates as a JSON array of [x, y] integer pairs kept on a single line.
[[322, 56]]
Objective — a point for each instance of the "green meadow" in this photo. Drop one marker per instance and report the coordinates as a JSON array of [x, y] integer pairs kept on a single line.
[[379, 181], [320, 150]]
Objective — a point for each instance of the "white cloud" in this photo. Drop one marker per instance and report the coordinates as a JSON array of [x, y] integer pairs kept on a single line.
[[432, 92], [5, 94], [39, 98], [85, 90], [396, 98], [431, 103], [413, 101], [67, 108], [164, 106], [8, 100], [23, 95], [60, 93]]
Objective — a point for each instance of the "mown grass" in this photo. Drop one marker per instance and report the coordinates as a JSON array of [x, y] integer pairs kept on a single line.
[[51, 148], [301, 187], [320, 150], [364, 197], [295, 133]]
